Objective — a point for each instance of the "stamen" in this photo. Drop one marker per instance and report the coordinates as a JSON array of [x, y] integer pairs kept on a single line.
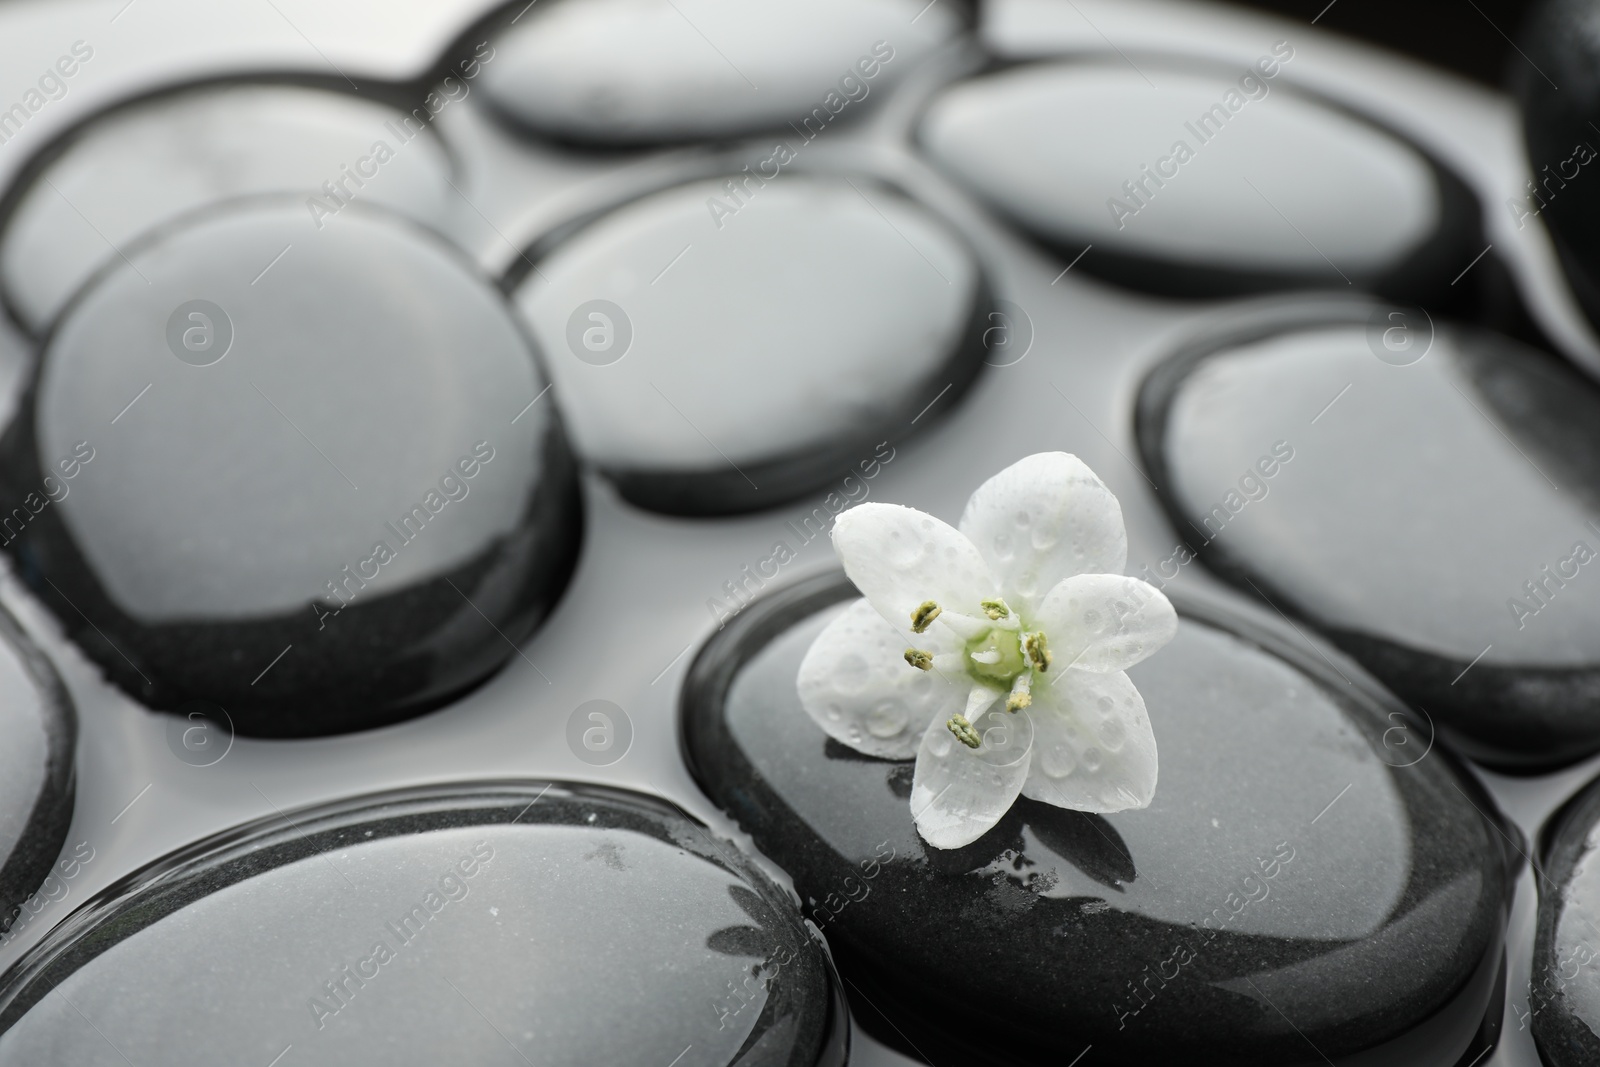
[[1021, 693], [1038, 653], [964, 732], [922, 661], [921, 618], [996, 609]]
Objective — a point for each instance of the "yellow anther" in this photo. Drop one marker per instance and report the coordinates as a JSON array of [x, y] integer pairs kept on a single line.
[[996, 609], [922, 661], [923, 617], [1038, 653], [964, 732]]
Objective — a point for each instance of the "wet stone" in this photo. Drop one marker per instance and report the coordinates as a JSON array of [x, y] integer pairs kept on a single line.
[[719, 352], [137, 167], [579, 926], [617, 72], [38, 734], [1563, 998], [309, 484], [1211, 181], [1433, 511], [1290, 881], [1563, 39]]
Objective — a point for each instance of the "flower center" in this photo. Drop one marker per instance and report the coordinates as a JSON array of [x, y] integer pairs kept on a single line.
[[995, 656], [1004, 657]]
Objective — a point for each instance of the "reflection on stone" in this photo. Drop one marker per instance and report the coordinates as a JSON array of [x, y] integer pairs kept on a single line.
[[136, 168], [715, 363], [1209, 181], [652, 71], [309, 484], [1562, 1003], [1282, 848], [1435, 514], [577, 925], [38, 736]]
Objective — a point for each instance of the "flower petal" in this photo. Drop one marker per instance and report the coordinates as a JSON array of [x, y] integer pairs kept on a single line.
[[856, 684], [1104, 622], [1045, 518], [900, 557], [958, 793], [1093, 746]]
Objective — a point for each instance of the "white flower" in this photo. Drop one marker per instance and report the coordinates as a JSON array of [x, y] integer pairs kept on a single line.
[[1001, 669]]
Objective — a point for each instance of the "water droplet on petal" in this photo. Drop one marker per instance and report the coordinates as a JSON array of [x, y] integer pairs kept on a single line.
[[1092, 760], [887, 719], [939, 745], [1023, 518], [1058, 761], [1113, 735]]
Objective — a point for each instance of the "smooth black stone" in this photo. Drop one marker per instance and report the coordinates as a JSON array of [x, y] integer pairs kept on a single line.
[[1417, 508], [635, 72], [142, 164], [1286, 192], [38, 735], [1382, 931], [744, 359], [578, 924], [1563, 1002], [1562, 38], [216, 515]]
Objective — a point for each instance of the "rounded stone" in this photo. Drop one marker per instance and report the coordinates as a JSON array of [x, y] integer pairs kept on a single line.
[[140, 165], [1563, 1003], [1437, 518], [1288, 882], [574, 924], [1199, 181], [349, 519], [38, 737], [1561, 42], [618, 72], [770, 347]]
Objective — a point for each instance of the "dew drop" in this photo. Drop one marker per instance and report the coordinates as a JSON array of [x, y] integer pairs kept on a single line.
[[1091, 760], [834, 714], [1022, 519], [1113, 735], [1058, 761], [1002, 547], [887, 719], [939, 744], [1105, 704]]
